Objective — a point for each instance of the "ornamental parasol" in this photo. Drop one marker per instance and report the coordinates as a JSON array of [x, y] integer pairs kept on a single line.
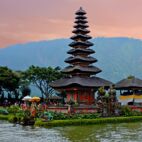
[[35, 99], [27, 98]]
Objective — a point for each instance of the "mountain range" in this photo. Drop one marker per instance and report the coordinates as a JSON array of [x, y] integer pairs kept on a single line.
[[117, 57]]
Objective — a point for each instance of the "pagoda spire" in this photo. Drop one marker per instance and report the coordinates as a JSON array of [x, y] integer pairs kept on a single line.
[[80, 63], [80, 82]]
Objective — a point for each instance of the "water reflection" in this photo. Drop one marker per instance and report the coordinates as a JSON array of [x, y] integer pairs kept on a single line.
[[130, 132], [17, 133]]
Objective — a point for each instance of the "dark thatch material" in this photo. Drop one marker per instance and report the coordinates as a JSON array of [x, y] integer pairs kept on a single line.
[[88, 69], [79, 30], [80, 17], [80, 59], [81, 36], [84, 43], [91, 82], [81, 21], [81, 26], [129, 83], [80, 50]]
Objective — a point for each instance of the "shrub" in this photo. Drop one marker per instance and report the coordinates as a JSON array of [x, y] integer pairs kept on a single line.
[[13, 109], [127, 111], [62, 116], [3, 111], [75, 122], [11, 118], [4, 117]]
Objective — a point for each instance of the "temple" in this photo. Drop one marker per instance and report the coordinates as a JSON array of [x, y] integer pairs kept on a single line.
[[81, 82]]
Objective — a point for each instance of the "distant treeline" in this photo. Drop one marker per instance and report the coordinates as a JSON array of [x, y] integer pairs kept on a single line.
[[14, 85]]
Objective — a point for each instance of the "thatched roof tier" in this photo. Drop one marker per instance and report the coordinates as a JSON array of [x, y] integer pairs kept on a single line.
[[81, 36], [80, 21], [81, 43], [91, 82], [81, 26], [81, 69], [82, 17], [80, 46], [80, 50], [129, 83], [80, 11], [80, 59], [80, 30]]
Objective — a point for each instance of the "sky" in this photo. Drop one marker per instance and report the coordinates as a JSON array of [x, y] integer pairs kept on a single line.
[[23, 21]]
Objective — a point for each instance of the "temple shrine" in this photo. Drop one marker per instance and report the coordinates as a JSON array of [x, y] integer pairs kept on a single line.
[[81, 82]]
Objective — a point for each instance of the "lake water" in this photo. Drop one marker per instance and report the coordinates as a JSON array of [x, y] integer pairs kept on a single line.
[[124, 132]]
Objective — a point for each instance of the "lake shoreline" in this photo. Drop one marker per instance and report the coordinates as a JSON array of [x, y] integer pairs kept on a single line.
[[79, 122]]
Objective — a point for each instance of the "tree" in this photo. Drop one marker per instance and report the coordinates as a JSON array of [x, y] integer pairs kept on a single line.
[[9, 81], [41, 77], [26, 91], [24, 83]]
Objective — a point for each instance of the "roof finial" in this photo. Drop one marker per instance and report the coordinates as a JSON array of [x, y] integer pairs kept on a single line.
[[81, 8], [80, 11]]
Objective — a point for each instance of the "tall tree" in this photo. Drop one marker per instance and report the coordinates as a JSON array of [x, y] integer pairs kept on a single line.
[[41, 77], [9, 81]]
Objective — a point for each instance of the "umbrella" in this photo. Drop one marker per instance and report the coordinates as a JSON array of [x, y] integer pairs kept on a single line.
[[27, 98], [35, 99]]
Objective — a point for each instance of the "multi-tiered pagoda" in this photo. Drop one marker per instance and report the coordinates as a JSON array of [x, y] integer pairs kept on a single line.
[[82, 82]]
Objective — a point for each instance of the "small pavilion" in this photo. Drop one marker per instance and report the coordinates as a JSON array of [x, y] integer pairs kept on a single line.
[[130, 90]]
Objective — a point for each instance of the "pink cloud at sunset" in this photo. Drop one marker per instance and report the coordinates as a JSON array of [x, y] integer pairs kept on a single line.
[[32, 20]]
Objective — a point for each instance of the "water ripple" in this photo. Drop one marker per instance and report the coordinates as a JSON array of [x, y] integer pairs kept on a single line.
[[125, 132]]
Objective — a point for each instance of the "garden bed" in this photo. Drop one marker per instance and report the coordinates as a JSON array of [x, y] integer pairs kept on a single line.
[[42, 119]]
